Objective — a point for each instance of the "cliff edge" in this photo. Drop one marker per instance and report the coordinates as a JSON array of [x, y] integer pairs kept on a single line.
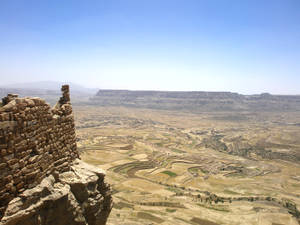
[[42, 180]]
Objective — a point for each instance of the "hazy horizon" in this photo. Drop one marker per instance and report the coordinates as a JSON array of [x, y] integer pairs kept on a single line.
[[55, 85], [248, 47]]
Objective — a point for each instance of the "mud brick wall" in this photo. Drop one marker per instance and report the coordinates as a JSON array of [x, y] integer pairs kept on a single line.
[[35, 140]]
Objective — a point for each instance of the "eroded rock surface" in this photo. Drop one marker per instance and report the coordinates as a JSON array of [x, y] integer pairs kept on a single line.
[[76, 197]]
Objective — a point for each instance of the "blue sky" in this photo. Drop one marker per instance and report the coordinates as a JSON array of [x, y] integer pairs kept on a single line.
[[245, 46]]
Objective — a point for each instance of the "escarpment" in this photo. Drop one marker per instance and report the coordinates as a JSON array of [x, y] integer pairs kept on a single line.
[[42, 180]]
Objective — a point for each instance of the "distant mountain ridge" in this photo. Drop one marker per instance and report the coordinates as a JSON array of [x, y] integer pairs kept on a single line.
[[49, 86], [197, 100], [48, 90]]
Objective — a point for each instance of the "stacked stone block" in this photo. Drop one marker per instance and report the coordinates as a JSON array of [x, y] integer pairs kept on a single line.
[[35, 141]]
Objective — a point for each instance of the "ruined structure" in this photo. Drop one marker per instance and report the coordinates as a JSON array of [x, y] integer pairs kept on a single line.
[[42, 180]]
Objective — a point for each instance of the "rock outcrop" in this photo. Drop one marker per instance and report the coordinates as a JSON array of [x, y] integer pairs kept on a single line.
[[42, 180], [79, 196]]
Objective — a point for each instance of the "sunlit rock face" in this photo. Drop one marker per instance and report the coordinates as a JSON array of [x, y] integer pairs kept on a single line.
[[42, 180], [76, 197]]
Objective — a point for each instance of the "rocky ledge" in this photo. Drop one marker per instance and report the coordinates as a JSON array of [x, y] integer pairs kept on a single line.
[[77, 197]]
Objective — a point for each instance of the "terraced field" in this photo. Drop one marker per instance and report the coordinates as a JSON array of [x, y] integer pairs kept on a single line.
[[170, 167]]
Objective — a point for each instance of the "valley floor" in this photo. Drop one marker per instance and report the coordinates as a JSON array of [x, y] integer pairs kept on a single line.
[[168, 167]]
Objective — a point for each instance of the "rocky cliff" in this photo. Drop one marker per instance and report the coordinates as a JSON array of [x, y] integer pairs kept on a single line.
[[197, 101], [42, 180], [79, 196]]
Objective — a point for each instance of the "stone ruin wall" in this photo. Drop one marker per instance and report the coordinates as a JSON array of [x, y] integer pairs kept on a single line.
[[35, 140]]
